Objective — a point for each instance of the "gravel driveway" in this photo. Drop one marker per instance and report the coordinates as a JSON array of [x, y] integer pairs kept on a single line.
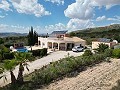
[[54, 56]]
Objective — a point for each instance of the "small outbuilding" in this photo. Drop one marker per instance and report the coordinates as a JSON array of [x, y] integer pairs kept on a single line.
[[106, 41]]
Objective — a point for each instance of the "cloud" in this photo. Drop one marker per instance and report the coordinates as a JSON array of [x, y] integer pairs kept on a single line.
[[5, 5], [58, 2], [2, 16], [107, 3], [58, 26], [29, 7], [84, 9], [81, 9], [79, 24], [115, 18], [101, 18]]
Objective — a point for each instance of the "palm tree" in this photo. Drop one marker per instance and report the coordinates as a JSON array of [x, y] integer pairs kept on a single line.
[[22, 59], [9, 65]]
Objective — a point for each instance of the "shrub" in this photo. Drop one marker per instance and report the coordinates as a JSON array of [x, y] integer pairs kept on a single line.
[[116, 53], [43, 52], [8, 45], [108, 52], [8, 55], [101, 48], [98, 58], [40, 52], [63, 67], [1, 57], [4, 49], [87, 53], [36, 52], [60, 68]]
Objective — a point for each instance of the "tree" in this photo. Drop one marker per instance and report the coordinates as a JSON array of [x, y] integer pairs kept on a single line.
[[35, 37], [32, 37], [22, 59], [3, 50], [10, 65], [102, 47], [1, 41]]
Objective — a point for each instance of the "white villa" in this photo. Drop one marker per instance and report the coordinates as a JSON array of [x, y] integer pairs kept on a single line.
[[59, 40]]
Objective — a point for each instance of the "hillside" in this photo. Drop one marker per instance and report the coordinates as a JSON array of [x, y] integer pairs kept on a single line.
[[100, 29], [112, 32], [103, 76]]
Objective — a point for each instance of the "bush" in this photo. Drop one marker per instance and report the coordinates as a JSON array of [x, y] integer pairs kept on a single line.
[[8, 55], [36, 52], [87, 53], [108, 52], [60, 68], [116, 53], [101, 48], [43, 52], [8, 45], [4, 49], [40, 52], [1, 57]]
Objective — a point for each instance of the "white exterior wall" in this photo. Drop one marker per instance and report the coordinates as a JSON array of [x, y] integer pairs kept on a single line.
[[83, 43], [43, 42], [95, 44], [78, 43]]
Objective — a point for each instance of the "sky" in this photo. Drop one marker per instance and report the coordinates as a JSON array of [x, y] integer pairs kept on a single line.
[[46, 16]]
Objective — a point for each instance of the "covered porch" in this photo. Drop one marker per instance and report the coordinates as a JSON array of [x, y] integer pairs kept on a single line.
[[60, 46]]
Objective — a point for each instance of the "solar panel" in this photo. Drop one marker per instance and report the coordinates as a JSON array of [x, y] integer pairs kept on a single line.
[[103, 40], [59, 32]]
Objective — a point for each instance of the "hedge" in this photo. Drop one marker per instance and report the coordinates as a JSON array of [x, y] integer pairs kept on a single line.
[[40, 52]]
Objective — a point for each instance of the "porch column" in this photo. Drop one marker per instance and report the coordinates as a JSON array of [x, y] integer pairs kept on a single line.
[[58, 46], [65, 46], [52, 45]]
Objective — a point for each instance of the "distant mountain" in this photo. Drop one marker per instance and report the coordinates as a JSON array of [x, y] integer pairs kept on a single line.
[[10, 34]]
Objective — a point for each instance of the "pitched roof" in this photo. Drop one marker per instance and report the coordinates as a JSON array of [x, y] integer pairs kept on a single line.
[[59, 32]]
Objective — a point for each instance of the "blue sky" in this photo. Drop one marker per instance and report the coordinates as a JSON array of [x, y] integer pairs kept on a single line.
[[49, 15]]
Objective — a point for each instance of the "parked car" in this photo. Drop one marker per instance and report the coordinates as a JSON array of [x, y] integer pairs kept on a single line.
[[77, 49]]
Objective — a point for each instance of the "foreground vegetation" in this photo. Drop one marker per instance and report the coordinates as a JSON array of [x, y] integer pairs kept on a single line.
[[61, 68], [57, 69]]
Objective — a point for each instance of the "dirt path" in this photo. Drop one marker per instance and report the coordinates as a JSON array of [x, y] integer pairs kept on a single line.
[[100, 77]]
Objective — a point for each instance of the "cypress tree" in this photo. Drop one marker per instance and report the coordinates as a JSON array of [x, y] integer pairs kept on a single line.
[[32, 37]]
